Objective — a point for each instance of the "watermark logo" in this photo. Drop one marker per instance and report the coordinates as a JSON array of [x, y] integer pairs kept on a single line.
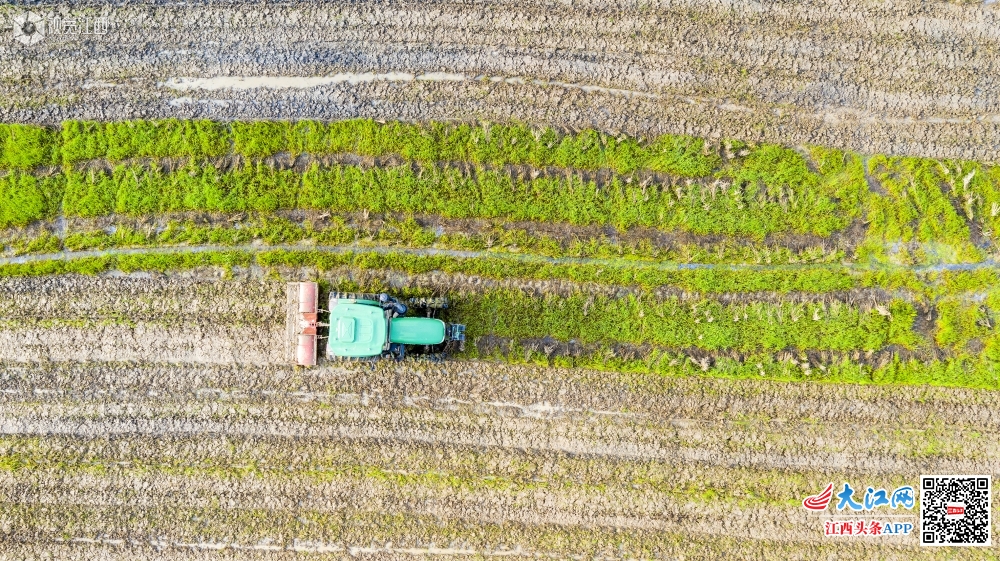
[[954, 511], [902, 496], [855, 514], [819, 502], [866, 528], [31, 28]]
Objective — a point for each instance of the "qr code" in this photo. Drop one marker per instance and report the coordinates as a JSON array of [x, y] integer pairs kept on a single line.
[[955, 510]]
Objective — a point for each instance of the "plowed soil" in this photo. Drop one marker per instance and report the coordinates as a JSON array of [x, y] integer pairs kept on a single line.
[[182, 449], [904, 77]]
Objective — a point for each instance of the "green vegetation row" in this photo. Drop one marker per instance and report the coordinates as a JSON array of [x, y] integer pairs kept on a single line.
[[964, 370], [918, 210], [405, 232], [495, 144], [673, 323], [729, 209], [733, 208], [761, 331], [818, 279], [669, 323]]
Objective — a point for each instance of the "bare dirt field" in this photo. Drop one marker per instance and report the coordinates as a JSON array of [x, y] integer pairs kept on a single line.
[[903, 77], [151, 415], [162, 444], [80, 319]]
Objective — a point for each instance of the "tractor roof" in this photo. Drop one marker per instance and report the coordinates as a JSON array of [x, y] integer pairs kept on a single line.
[[356, 329]]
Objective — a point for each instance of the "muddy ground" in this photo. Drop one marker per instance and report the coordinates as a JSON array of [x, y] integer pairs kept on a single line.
[[903, 77], [119, 448]]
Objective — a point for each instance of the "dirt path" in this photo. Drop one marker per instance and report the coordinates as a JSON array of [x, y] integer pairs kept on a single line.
[[913, 77], [469, 254]]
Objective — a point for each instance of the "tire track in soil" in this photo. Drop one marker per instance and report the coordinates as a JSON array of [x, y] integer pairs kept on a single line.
[[786, 446], [392, 384], [672, 546], [496, 420], [471, 254], [440, 432], [522, 487]]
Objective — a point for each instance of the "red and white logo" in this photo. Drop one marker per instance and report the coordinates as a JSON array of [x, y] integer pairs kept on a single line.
[[954, 511], [821, 501]]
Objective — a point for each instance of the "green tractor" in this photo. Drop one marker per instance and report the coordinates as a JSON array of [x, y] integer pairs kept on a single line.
[[377, 325], [371, 326]]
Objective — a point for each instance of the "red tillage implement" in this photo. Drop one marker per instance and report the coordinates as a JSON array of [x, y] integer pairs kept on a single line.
[[303, 321]]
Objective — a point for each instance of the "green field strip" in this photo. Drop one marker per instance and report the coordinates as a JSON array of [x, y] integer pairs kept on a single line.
[[390, 231], [716, 208], [672, 323], [816, 279], [955, 370], [917, 210], [796, 330], [495, 144], [921, 282], [964, 368], [732, 207]]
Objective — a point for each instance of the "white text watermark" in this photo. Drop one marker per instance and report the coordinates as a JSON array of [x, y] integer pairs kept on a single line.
[[31, 28]]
